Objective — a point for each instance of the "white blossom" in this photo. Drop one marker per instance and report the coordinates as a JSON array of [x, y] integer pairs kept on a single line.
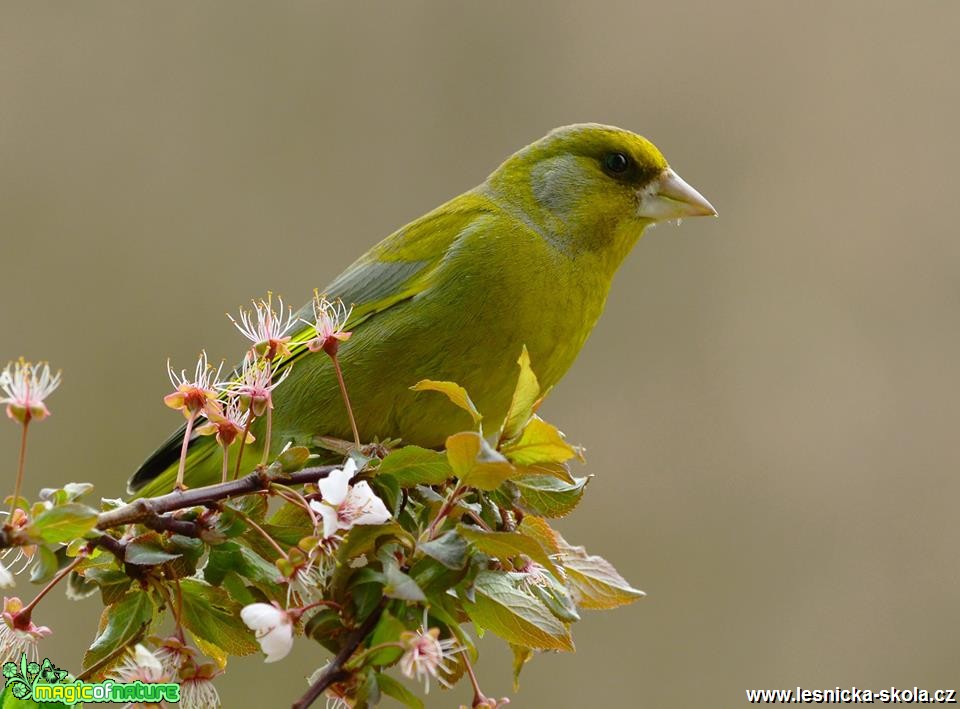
[[345, 505], [273, 628]]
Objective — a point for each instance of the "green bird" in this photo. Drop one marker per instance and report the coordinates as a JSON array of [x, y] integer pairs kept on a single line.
[[524, 259]]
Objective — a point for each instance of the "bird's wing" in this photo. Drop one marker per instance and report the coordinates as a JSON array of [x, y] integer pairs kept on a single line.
[[396, 269]]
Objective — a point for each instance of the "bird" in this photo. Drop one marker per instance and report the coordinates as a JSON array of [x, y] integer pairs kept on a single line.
[[524, 260]]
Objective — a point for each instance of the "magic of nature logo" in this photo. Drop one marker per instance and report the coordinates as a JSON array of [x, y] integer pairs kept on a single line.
[[45, 682]]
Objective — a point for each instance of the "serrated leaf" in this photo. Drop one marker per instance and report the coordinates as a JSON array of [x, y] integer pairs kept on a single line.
[[147, 554], [593, 581], [413, 465], [547, 496], [540, 442], [238, 590], [113, 583], [476, 463], [517, 617], [450, 549], [560, 471], [507, 545], [539, 529], [392, 688], [524, 397], [63, 524], [121, 624], [211, 615], [223, 559], [453, 391]]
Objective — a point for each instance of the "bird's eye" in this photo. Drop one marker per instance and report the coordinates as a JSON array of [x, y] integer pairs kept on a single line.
[[616, 163]]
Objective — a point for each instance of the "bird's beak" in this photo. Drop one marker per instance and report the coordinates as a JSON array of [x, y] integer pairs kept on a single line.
[[669, 197]]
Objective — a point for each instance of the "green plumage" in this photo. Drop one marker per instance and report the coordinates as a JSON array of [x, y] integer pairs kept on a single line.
[[526, 258]]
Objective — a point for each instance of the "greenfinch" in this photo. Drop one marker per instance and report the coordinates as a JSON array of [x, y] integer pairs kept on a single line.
[[524, 259]]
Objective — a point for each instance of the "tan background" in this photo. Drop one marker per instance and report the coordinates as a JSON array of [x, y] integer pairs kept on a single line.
[[770, 403]]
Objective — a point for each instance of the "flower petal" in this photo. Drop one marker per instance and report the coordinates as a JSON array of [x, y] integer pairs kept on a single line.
[[277, 644], [334, 487], [331, 520], [6, 578], [261, 617], [373, 511]]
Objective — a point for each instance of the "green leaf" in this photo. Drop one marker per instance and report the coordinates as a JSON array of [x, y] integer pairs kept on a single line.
[[387, 489], [476, 463], [524, 398], [450, 549], [78, 587], [284, 535], [67, 493], [234, 559], [540, 442], [557, 470], [147, 554], [503, 608], [188, 551], [539, 529], [324, 625], [223, 559], [63, 524], [294, 458], [388, 630], [212, 616], [433, 577], [122, 623], [290, 515], [413, 465], [113, 583], [593, 581], [507, 545], [392, 688], [521, 656], [555, 596], [547, 496], [366, 595], [399, 585], [45, 566], [254, 506], [364, 539], [453, 391]]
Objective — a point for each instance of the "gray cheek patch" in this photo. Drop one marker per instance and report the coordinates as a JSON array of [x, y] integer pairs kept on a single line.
[[557, 183]]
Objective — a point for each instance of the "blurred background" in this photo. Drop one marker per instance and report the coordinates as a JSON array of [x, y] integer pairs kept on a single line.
[[770, 403]]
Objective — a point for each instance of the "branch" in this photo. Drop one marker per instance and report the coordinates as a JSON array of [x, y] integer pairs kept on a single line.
[[335, 672], [149, 507]]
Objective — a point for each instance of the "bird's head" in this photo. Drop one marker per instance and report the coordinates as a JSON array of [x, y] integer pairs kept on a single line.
[[595, 187]]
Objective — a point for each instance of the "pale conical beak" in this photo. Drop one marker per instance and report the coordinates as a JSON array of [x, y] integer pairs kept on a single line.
[[669, 197]]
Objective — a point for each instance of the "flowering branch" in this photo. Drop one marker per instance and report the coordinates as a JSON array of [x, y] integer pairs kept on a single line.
[[382, 559], [139, 511], [334, 672]]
